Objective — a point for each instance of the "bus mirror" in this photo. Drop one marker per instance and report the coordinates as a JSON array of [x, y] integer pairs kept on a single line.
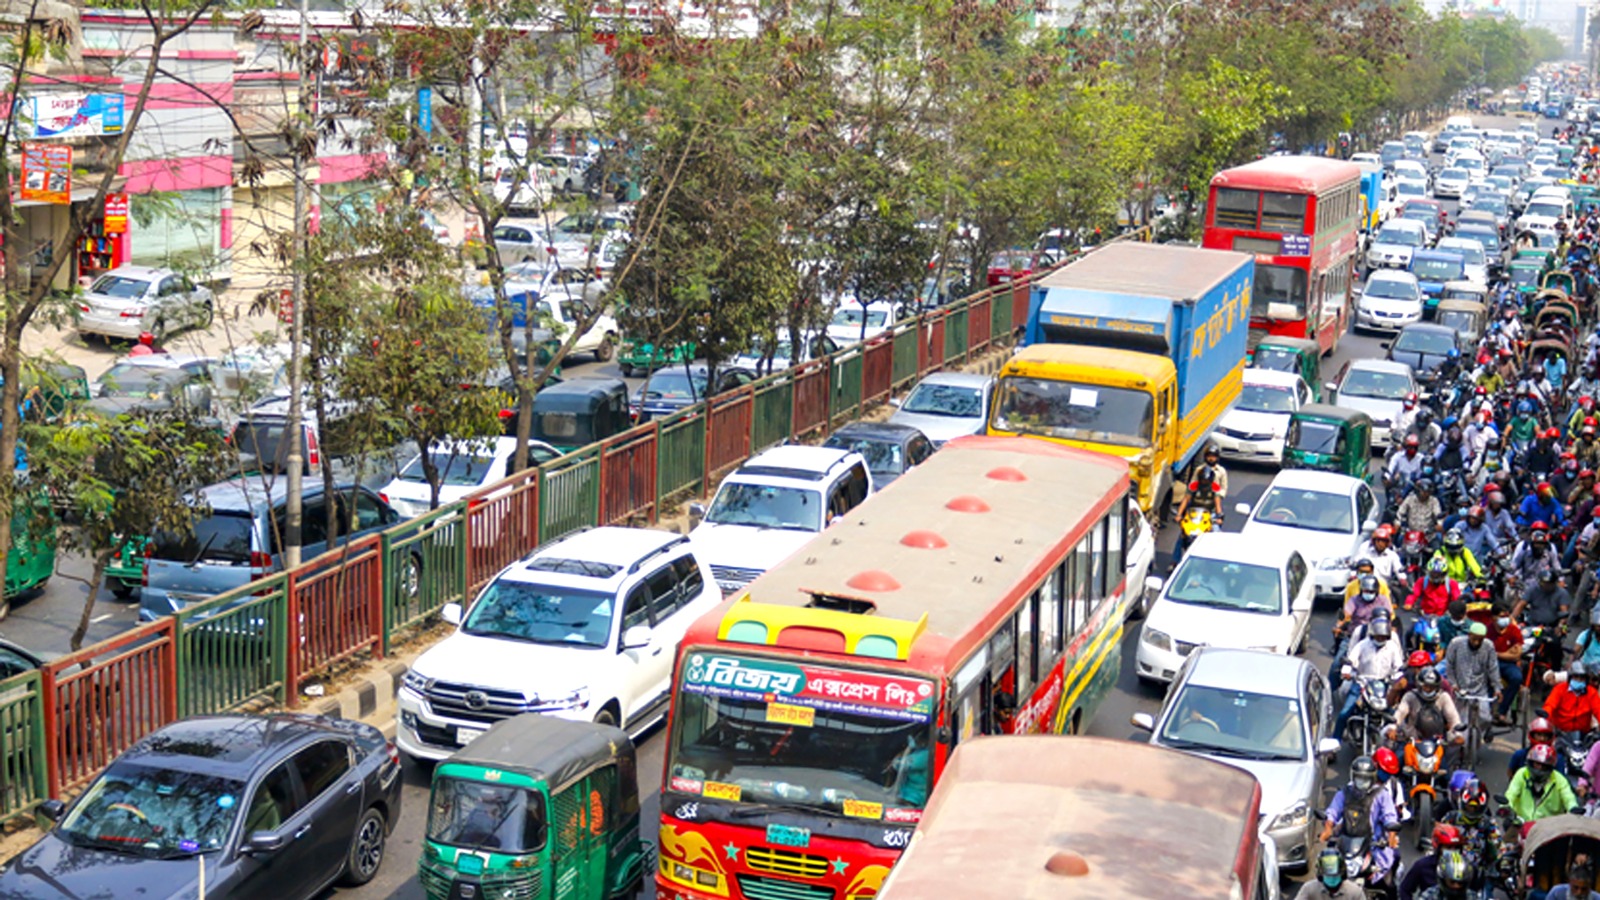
[[1143, 721]]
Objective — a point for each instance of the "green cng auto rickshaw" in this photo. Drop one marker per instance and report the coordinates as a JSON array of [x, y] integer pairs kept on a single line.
[[577, 413], [640, 357], [1285, 354], [536, 807], [1329, 438]]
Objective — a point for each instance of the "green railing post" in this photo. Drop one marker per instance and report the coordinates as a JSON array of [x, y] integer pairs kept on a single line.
[[387, 591]]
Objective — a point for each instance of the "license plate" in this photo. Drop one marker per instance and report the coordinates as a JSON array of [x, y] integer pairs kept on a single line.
[[464, 736], [788, 836]]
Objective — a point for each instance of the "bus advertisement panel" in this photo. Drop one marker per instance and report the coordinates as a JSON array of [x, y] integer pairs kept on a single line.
[[1301, 218]]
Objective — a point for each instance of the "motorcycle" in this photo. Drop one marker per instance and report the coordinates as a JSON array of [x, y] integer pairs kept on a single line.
[[1414, 553], [1371, 714], [1576, 747], [1195, 522], [1358, 868], [1426, 781]]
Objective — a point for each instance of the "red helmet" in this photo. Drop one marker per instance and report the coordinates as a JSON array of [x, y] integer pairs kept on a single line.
[[1419, 658], [1386, 760], [1446, 837], [1552, 433], [1544, 487], [1384, 532], [1540, 732], [1505, 352], [1412, 442], [1542, 754], [1586, 402], [1540, 526]]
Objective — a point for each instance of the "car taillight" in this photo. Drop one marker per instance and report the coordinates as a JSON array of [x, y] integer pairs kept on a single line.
[[136, 312], [313, 458], [474, 503], [393, 751], [149, 554], [259, 560], [384, 497], [83, 307]]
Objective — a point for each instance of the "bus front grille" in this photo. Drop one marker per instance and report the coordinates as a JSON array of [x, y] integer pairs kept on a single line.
[[786, 862], [757, 888]]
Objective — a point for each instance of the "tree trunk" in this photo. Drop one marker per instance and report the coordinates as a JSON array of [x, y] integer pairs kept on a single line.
[[10, 423], [102, 558]]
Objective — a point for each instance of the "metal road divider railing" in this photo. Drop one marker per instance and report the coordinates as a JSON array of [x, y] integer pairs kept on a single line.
[[261, 643]]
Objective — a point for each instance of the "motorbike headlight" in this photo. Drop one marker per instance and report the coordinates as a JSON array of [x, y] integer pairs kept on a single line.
[[1295, 816], [1157, 639]]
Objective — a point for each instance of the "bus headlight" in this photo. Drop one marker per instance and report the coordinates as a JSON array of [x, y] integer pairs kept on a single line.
[[694, 877]]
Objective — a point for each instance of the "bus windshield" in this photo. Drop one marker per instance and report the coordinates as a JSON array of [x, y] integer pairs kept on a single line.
[[1082, 412], [841, 741]]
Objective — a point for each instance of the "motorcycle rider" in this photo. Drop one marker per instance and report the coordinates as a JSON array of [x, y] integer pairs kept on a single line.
[[1330, 883], [1401, 426], [1375, 656], [1388, 767], [1420, 510], [1386, 561], [1545, 602], [1567, 476], [1368, 602], [1427, 711], [1538, 790], [1544, 455], [1477, 536], [1459, 561], [1454, 874], [1360, 809], [1587, 447], [1454, 622], [1586, 646], [1541, 506], [1424, 873], [1572, 708], [1404, 466], [1507, 639], [1435, 592], [1498, 519], [1533, 555], [1427, 431], [1205, 491], [1539, 732], [1473, 670]]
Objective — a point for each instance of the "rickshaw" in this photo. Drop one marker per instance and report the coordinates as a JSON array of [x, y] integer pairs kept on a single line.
[[49, 390], [1560, 280], [1459, 311], [1542, 348], [536, 807], [1579, 255], [1554, 315], [577, 413], [1330, 439], [1286, 354], [1550, 847]]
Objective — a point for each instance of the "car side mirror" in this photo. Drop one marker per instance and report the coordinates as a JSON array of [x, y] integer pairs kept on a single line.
[[264, 843], [451, 613], [894, 402], [1143, 721], [697, 513], [1500, 800], [52, 810], [1328, 747], [1386, 345], [1153, 584], [1242, 509], [1329, 386], [636, 637]]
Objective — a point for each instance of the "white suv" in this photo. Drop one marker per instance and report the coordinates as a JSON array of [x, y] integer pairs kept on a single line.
[[772, 506], [585, 628]]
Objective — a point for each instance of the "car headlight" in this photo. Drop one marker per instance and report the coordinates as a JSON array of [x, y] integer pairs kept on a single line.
[[415, 683], [1157, 639], [1334, 562], [1295, 816], [571, 700]]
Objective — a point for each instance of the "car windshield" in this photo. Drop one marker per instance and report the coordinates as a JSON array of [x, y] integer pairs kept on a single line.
[[1226, 585], [486, 816], [1237, 724], [1408, 188], [1471, 251], [1453, 174], [766, 506], [1548, 209], [523, 611], [1438, 269], [458, 468], [1276, 359], [1421, 214], [120, 286], [1311, 510], [1425, 340], [1406, 237], [856, 744], [124, 380], [1388, 288], [1485, 239], [1494, 203], [851, 316], [153, 811], [675, 384], [1311, 436], [884, 457], [1523, 275], [1270, 398], [1463, 322], [1063, 409], [955, 400], [222, 537], [1376, 384]]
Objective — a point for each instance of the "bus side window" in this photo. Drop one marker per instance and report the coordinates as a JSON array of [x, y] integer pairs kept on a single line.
[[1050, 621], [1002, 680], [1097, 557], [1079, 601], [1027, 650], [1114, 550]]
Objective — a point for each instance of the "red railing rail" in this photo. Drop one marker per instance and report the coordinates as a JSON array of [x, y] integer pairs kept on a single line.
[[502, 526], [335, 609], [628, 474], [728, 427]]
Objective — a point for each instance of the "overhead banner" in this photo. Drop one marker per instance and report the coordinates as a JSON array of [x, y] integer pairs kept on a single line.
[[70, 115], [47, 173]]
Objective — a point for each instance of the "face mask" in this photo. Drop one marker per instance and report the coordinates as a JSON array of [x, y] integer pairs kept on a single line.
[[1502, 624], [1332, 882], [1383, 777], [1577, 685]]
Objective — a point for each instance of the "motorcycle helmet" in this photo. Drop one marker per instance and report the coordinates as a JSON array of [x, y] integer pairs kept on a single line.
[[1207, 475], [1454, 873], [1364, 774], [1497, 499], [1368, 585], [1383, 532], [1419, 659], [1330, 868], [1541, 762], [1212, 452], [1411, 442], [1386, 760], [1453, 541], [1446, 837], [1364, 565], [1425, 415], [1473, 801], [1437, 569], [1474, 515], [1380, 629], [1424, 485], [1541, 732], [1428, 684]]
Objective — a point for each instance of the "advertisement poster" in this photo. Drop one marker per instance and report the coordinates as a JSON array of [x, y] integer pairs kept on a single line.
[[70, 115], [116, 213], [47, 173]]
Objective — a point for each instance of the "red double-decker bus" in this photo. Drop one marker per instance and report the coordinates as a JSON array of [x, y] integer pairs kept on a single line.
[[1301, 217]]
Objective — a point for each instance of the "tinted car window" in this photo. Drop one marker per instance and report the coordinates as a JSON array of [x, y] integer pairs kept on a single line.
[[13, 663], [273, 802], [222, 537], [321, 765]]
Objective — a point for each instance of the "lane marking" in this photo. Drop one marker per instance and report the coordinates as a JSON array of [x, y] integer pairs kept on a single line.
[[98, 619]]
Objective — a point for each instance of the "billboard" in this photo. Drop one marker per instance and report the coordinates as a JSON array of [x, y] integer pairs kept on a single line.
[[69, 115]]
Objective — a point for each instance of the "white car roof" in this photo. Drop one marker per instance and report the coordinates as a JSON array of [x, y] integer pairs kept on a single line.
[[609, 546], [1392, 275], [1313, 480], [1270, 377], [1233, 546], [795, 457], [1401, 224]]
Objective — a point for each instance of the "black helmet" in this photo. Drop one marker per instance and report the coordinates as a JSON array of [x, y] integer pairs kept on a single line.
[[1428, 684], [1425, 485], [1453, 539], [1207, 475], [1380, 629], [1454, 873], [1364, 564], [1364, 774], [1424, 414], [1212, 450], [1368, 585]]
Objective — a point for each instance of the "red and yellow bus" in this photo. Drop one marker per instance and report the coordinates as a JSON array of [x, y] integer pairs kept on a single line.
[[1301, 217], [981, 593], [1073, 819]]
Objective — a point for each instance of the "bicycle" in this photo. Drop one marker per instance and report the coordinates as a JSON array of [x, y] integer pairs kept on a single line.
[[1475, 726]]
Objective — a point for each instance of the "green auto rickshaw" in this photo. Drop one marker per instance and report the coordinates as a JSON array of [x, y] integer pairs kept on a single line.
[[642, 357], [1297, 355], [1329, 438], [536, 807], [1524, 275], [577, 413]]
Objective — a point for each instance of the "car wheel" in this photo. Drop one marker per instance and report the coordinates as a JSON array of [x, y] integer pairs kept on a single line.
[[208, 314], [158, 330], [607, 348], [409, 581], [606, 716], [366, 849], [628, 371], [566, 186], [121, 589]]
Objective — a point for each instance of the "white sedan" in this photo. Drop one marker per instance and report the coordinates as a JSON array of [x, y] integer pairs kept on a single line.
[[1252, 430], [130, 300], [1389, 301], [1230, 590], [463, 467], [1377, 387], [1324, 515]]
